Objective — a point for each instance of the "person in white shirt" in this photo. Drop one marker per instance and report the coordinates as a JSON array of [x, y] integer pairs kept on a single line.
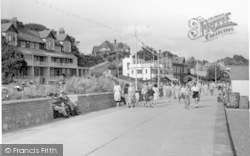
[[195, 89]]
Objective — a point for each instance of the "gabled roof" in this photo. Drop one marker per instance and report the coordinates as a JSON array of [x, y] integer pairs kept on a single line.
[[62, 37], [29, 35], [179, 60], [239, 72], [6, 26], [46, 33]]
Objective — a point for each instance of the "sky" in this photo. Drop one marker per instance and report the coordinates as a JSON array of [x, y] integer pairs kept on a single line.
[[161, 24]]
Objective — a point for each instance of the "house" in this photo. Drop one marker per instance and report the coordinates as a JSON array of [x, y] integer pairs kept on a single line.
[[180, 68], [240, 79], [115, 50], [145, 70], [48, 55]]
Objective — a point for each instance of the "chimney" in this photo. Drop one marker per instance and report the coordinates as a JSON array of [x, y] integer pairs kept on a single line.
[[14, 21], [115, 41], [61, 31]]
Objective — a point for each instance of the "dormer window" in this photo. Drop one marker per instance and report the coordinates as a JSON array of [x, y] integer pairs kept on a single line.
[[50, 44], [66, 46]]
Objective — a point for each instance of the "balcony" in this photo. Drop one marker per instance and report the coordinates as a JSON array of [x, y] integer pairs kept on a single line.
[[55, 64]]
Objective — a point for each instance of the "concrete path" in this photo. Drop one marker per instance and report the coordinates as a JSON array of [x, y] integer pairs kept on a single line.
[[165, 130]]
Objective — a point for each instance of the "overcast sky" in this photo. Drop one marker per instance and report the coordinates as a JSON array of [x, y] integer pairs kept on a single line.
[[161, 24]]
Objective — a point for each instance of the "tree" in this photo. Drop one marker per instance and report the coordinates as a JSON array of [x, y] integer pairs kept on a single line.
[[12, 62], [35, 27], [220, 74], [112, 67], [146, 54], [191, 61], [74, 48], [110, 59]]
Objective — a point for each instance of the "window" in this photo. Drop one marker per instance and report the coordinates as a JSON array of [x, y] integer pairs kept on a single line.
[[27, 44], [139, 71], [132, 71], [66, 46], [50, 44], [32, 45], [37, 46], [22, 44], [128, 65], [146, 71]]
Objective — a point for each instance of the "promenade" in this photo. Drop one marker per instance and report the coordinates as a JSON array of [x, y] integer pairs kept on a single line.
[[168, 129]]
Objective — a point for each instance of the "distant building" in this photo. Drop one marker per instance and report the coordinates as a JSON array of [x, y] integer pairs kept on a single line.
[[48, 55], [240, 79], [145, 70], [115, 50], [180, 69]]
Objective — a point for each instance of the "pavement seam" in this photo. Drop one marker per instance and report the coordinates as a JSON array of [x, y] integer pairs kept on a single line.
[[127, 131]]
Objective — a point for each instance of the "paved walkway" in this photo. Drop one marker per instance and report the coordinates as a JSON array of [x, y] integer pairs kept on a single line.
[[165, 130]]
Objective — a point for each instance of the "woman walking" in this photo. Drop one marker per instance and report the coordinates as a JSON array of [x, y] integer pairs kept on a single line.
[[144, 93], [187, 96], [125, 92], [117, 93], [156, 93], [168, 91], [195, 90], [177, 92], [131, 95], [165, 90], [182, 92]]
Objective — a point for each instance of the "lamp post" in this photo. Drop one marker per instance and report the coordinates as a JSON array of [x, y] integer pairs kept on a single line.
[[135, 58]]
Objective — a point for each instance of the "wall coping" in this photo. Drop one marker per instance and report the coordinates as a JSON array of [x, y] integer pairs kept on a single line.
[[47, 98], [91, 94], [24, 100]]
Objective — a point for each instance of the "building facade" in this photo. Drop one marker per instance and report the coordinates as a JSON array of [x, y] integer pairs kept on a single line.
[[48, 55], [114, 50], [180, 69], [145, 70]]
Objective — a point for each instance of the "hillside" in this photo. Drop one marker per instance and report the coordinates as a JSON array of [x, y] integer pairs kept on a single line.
[[235, 60]]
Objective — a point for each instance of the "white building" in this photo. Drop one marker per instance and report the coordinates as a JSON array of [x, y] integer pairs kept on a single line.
[[146, 70]]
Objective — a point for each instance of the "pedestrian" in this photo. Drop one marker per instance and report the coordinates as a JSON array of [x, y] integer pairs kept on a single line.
[[206, 88], [187, 96], [212, 87], [182, 92], [165, 90], [117, 93], [150, 95], [177, 92], [144, 93], [172, 91], [156, 93], [125, 93], [131, 95], [195, 90], [137, 97], [168, 91]]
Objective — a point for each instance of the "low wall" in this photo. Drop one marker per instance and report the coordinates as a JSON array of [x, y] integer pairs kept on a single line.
[[93, 102], [24, 113]]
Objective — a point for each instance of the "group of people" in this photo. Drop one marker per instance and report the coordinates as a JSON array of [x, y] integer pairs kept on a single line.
[[171, 91]]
